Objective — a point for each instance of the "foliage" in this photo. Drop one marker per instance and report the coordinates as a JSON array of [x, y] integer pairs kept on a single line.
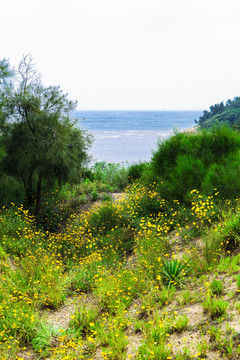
[[181, 323], [43, 338], [114, 175], [206, 160], [104, 219], [224, 177], [135, 171], [42, 144], [215, 308], [228, 114], [216, 287], [222, 237], [116, 263], [238, 282], [84, 319], [172, 272], [154, 351]]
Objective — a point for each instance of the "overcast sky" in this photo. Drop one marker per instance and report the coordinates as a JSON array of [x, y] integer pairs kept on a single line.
[[129, 54]]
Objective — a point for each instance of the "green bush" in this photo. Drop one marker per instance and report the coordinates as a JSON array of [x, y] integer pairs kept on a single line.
[[224, 177], [205, 160], [187, 175], [135, 171]]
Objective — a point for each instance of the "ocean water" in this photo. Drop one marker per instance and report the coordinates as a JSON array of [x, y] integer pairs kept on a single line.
[[131, 136]]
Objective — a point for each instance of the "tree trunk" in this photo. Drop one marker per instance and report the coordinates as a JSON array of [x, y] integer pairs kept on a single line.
[[39, 195], [29, 198]]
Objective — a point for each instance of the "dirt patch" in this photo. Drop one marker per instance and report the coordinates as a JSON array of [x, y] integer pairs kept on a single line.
[[187, 340], [27, 354], [60, 318], [98, 354], [214, 355], [195, 314], [232, 324], [135, 341]]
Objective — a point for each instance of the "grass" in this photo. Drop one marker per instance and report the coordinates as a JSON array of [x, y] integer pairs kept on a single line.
[[135, 271], [215, 308]]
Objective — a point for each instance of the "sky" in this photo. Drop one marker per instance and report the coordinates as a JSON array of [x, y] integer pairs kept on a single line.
[[129, 54]]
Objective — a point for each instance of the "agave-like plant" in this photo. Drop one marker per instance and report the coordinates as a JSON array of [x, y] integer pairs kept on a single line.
[[172, 272]]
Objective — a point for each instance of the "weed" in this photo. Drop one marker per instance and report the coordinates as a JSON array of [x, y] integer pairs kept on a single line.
[[237, 305], [187, 297], [202, 348], [216, 287], [215, 308], [81, 279], [238, 282], [154, 351], [165, 296], [115, 175], [215, 334], [85, 319], [44, 338], [104, 219], [180, 323]]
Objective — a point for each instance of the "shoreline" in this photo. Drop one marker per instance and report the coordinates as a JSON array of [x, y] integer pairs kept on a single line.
[[131, 146], [192, 129]]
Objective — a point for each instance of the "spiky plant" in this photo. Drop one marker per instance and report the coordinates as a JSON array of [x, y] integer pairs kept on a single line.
[[172, 272]]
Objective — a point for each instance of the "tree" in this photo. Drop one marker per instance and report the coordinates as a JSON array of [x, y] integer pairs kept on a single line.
[[6, 73], [41, 140], [220, 114]]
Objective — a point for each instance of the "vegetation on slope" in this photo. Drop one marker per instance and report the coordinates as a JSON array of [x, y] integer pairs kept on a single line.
[[143, 275], [221, 114], [206, 161]]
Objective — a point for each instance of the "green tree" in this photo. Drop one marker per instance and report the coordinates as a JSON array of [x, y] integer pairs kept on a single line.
[[41, 140], [5, 74], [221, 114]]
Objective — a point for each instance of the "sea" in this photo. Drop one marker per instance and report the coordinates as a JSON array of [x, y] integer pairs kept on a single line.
[[127, 137]]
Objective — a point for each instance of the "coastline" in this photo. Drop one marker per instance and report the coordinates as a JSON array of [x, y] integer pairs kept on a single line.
[[192, 129]]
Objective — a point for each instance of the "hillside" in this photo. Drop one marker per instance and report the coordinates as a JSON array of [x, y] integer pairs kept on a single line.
[[124, 280], [129, 263], [219, 114]]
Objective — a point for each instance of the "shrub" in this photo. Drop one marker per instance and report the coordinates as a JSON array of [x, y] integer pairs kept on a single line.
[[183, 160], [187, 175], [135, 171], [224, 177], [215, 308]]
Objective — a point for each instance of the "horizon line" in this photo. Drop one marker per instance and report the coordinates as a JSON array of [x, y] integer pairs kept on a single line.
[[200, 110]]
